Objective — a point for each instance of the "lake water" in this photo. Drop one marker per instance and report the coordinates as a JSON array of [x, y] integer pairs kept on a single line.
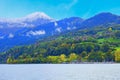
[[60, 72]]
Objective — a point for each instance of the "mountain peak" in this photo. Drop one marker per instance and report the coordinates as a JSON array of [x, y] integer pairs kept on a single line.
[[38, 15], [31, 20], [30, 17], [101, 19], [106, 14]]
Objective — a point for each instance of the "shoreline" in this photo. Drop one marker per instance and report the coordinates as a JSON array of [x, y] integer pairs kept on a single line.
[[68, 63]]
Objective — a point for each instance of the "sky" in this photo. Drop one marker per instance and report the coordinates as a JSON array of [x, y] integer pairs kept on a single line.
[[58, 9]]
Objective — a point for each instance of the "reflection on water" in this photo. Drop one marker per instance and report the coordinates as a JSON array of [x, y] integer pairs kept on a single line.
[[60, 72]]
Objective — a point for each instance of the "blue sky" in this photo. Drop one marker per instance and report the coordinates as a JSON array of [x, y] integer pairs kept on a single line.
[[58, 9]]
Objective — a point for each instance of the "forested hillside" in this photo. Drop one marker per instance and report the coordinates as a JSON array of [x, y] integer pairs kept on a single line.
[[98, 44]]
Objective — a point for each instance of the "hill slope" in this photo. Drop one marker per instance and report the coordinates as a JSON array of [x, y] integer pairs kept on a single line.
[[33, 27], [37, 26], [102, 19], [97, 44]]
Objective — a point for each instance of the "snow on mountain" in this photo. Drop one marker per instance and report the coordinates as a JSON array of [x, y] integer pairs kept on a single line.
[[36, 33], [31, 20], [55, 23], [26, 30], [10, 35], [35, 16], [68, 28], [58, 29], [38, 25]]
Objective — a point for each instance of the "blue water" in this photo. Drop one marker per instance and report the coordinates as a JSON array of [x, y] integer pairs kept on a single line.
[[60, 72]]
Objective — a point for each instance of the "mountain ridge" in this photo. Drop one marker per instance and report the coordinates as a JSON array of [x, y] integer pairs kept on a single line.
[[27, 35], [101, 18]]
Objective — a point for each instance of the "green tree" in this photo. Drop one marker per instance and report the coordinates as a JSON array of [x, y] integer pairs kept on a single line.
[[10, 60], [110, 29], [109, 56], [62, 58], [96, 56], [52, 59], [72, 57], [117, 55], [117, 34], [83, 54], [105, 47]]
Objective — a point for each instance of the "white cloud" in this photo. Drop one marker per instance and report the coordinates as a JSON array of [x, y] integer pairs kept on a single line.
[[1, 37], [10, 35], [58, 29], [35, 33]]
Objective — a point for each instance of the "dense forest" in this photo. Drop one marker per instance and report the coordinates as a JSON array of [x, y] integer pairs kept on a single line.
[[98, 44]]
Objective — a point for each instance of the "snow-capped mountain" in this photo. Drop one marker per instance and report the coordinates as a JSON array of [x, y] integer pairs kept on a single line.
[[56, 27], [31, 20], [35, 26], [35, 16], [19, 25], [26, 30]]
